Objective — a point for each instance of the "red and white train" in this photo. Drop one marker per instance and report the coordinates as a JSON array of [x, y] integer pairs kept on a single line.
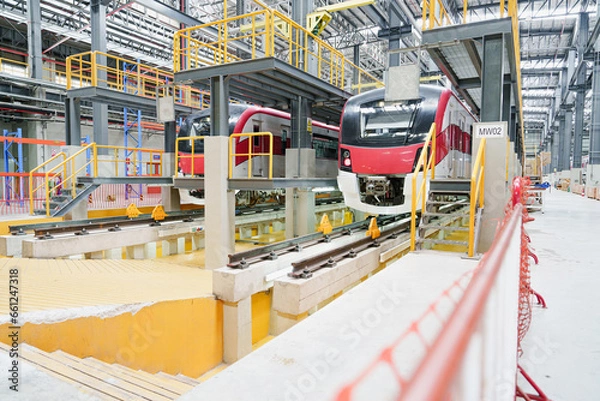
[[246, 118], [381, 142]]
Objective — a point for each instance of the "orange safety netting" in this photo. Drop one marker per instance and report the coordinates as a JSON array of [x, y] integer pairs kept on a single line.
[[413, 340], [387, 364], [520, 195]]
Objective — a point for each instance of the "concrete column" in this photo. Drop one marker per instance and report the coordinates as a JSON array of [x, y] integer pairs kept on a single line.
[[114, 253], [495, 164], [175, 246], [299, 202], [144, 251], [219, 206], [237, 329], [135, 252], [169, 196], [197, 242], [78, 212], [95, 255]]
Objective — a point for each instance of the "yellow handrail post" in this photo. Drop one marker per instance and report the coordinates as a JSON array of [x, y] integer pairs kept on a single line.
[[250, 157], [271, 157], [68, 68], [465, 11], [176, 169], [231, 156], [433, 151], [193, 156], [47, 195], [431, 13], [73, 175], [501, 8], [94, 71], [95, 155], [31, 192]]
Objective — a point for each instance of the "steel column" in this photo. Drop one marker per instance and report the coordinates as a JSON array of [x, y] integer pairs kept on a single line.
[[34, 39], [73, 121], [560, 139], [582, 39], [219, 106], [492, 78], [100, 111], [512, 125], [301, 129], [566, 140], [595, 129]]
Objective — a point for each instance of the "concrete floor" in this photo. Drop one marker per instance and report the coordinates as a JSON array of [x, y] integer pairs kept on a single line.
[[562, 348], [316, 357]]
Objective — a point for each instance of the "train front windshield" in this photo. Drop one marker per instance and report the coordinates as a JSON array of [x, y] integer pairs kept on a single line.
[[379, 121]]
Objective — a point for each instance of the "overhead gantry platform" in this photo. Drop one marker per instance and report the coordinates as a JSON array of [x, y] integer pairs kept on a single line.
[[274, 83]]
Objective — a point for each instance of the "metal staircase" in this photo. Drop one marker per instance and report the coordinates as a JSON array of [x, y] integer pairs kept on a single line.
[[59, 205], [444, 223]]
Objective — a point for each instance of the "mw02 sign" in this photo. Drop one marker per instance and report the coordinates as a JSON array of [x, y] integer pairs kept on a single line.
[[496, 129]]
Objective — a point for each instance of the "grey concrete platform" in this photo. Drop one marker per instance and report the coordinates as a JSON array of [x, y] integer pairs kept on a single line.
[[314, 358], [561, 351]]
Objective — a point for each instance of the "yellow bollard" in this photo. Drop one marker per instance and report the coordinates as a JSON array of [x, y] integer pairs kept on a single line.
[[325, 226], [132, 211], [373, 230], [158, 214]]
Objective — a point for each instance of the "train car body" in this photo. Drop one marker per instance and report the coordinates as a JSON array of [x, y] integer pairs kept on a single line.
[[380, 143], [246, 119]]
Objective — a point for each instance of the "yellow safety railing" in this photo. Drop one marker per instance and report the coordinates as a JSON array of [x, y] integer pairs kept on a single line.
[[70, 178], [192, 155], [477, 192], [85, 162], [426, 162], [266, 33], [32, 189], [250, 153], [434, 14], [137, 162], [92, 69]]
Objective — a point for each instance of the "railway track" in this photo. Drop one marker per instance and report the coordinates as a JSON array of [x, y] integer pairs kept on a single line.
[[84, 227], [242, 260]]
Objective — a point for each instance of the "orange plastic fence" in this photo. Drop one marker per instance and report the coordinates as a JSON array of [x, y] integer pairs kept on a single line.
[[404, 380], [389, 357]]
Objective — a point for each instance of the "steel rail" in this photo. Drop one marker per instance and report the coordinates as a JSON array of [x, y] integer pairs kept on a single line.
[[242, 260], [23, 228], [115, 225], [305, 268]]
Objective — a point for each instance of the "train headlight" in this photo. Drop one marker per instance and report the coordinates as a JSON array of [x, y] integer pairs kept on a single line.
[[346, 161]]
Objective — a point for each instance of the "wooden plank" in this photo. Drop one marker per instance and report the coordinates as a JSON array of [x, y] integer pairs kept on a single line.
[[45, 362], [126, 374]]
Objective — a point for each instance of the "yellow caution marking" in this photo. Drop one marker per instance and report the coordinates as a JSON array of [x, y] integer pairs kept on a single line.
[[325, 226], [373, 230], [158, 213], [132, 211]]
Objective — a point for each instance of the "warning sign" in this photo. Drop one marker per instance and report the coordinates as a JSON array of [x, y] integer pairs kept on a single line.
[[496, 129]]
